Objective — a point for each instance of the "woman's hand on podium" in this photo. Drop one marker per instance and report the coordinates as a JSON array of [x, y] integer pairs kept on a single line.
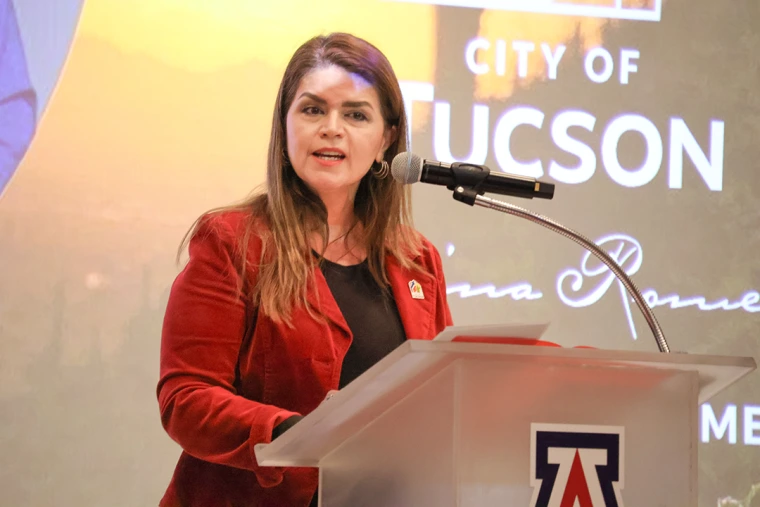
[[293, 420]]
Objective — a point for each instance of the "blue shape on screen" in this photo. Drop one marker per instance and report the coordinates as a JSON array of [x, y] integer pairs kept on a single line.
[[18, 101]]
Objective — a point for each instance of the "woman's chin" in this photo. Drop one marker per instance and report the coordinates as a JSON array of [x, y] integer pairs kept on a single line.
[[333, 188]]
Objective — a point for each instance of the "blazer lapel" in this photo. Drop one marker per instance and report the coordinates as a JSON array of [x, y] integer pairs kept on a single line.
[[322, 298], [415, 293]]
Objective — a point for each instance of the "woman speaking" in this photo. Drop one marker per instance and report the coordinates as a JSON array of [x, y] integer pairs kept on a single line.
[[300, 289]]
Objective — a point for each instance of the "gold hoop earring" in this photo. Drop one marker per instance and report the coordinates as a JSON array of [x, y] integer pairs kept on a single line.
[[380, 170]]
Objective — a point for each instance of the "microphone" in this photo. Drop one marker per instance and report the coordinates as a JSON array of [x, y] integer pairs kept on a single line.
[[410, 168]]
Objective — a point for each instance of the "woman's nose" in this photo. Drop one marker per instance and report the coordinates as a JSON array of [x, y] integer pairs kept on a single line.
[[332, 126]]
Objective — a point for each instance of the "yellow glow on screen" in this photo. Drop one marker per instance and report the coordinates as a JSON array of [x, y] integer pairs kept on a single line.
[[537, 28], [206, 35]]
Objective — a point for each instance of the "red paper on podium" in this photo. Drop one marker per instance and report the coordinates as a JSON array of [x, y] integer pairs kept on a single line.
[[507, 334]]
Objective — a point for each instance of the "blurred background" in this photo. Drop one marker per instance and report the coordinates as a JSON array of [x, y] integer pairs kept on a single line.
[[121, 122]]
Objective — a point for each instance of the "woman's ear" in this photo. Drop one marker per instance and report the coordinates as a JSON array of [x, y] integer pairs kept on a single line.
[[389, 137]]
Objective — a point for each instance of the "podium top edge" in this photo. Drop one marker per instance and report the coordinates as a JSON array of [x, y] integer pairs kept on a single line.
[[679, 359], [422, 359]]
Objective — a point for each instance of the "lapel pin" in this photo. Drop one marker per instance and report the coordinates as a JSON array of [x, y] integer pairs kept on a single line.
[[416, 289]]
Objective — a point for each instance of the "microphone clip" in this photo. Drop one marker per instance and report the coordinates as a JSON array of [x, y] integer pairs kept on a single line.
[[468, 181], [466, 195]]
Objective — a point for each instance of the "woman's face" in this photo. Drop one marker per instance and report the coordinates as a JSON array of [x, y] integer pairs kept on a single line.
[[335, 131]]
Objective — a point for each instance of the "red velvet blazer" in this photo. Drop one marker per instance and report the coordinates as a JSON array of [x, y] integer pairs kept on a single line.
[[225, 382]]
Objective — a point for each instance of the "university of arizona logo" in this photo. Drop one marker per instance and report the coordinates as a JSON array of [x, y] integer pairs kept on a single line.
[[576, 466]]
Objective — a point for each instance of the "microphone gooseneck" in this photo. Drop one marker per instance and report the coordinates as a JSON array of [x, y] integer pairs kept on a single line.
[[409, 168]]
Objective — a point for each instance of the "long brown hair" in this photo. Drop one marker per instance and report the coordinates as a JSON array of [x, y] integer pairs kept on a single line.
[[290, 211]]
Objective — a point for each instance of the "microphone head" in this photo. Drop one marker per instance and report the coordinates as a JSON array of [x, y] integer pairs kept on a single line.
[[406, 168]]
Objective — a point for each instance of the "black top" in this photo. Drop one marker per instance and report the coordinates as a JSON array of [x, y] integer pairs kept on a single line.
[[371, 314]]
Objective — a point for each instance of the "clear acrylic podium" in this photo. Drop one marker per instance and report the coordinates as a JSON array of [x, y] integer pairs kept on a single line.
[[487, 424]]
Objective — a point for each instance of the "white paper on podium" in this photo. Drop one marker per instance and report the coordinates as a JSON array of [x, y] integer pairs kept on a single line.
[[527, 331]]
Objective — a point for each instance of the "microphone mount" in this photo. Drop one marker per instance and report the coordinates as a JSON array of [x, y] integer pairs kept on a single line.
[[467, 176]]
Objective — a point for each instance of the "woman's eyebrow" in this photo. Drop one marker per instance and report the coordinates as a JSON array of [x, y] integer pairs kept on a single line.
[[348, 103]]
